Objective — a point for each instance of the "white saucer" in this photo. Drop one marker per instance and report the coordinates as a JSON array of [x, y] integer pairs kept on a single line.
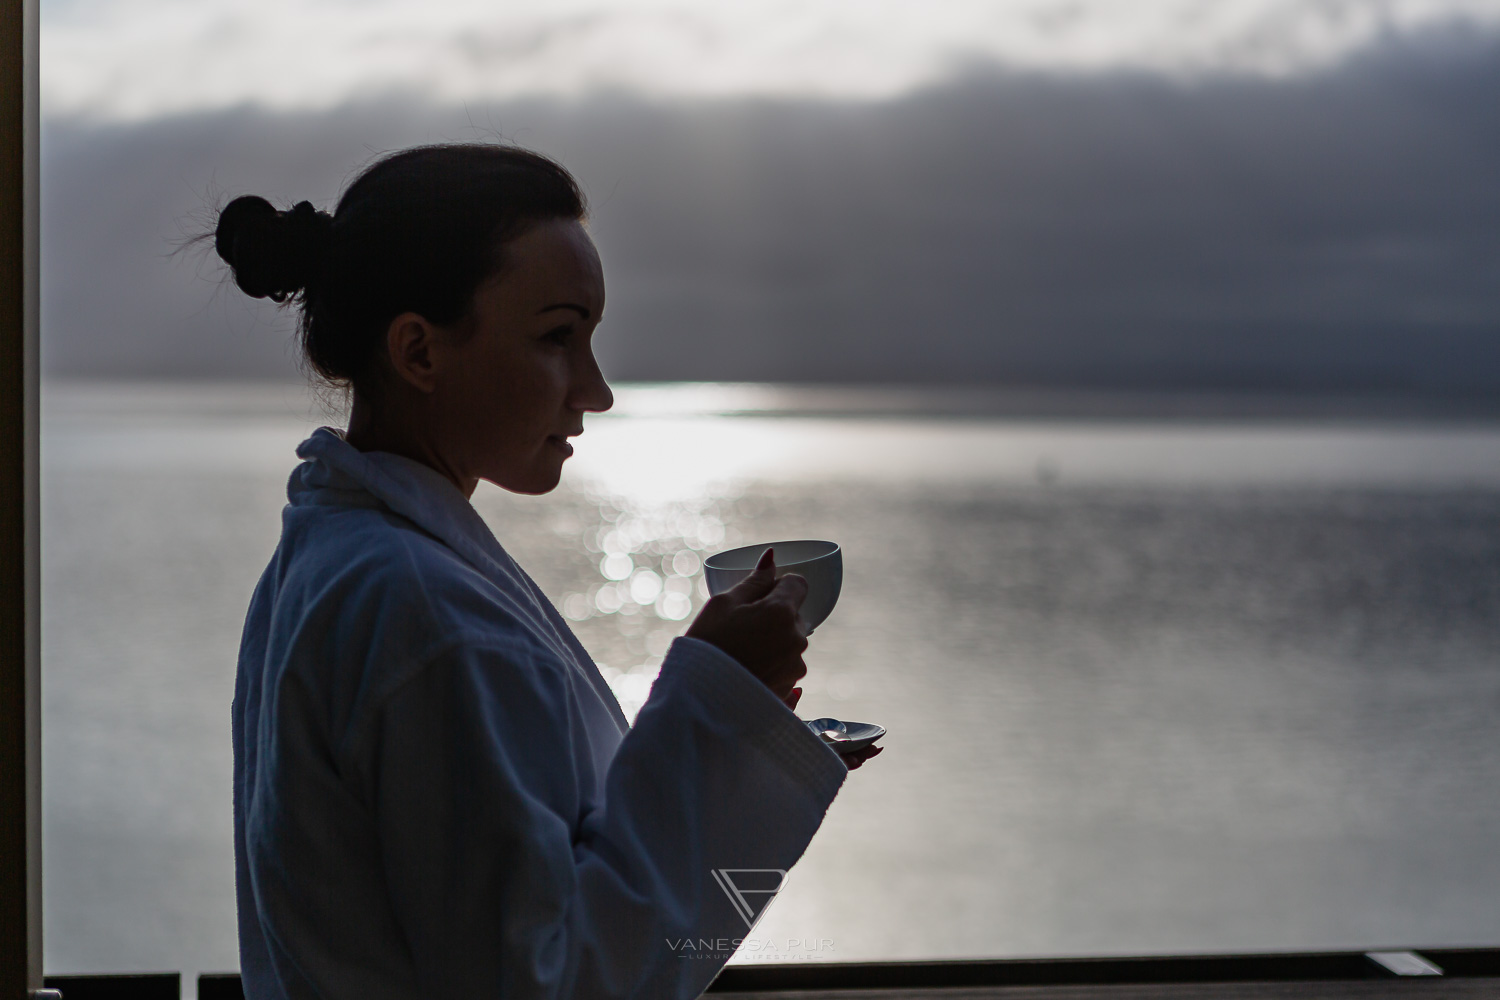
[[861, 734]]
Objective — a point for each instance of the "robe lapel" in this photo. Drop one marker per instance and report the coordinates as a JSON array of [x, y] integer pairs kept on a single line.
[[430, 500]]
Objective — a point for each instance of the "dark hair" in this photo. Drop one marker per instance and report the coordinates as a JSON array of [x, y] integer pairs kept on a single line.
[[417, 231]]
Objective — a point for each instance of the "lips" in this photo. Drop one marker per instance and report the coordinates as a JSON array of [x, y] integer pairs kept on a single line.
[[561, 444]]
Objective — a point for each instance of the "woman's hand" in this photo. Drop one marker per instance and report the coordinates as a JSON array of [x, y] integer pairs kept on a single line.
[[858, 757], [851, 760], [757, 623]]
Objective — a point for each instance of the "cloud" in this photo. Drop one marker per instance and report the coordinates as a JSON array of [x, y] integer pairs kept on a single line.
[[138, 59], [1335, 230]]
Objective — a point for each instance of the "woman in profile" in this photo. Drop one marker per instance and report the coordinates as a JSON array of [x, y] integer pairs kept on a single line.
[[435, 792]]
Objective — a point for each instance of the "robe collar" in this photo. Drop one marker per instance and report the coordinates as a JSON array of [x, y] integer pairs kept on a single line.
[[433, 503], [417, 492]]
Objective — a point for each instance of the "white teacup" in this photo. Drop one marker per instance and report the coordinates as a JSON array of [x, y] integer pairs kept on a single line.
[[820, 563]]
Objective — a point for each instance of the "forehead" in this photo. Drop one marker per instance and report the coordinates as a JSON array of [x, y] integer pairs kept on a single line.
[[553, 262]]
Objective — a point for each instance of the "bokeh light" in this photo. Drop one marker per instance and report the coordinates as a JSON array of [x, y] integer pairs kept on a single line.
[[648, 553]]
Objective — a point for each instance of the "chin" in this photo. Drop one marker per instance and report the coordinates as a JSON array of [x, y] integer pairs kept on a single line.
[[532, 483], [532, 491]]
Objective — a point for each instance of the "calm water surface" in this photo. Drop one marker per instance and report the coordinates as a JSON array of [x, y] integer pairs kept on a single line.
[[1171, 686]]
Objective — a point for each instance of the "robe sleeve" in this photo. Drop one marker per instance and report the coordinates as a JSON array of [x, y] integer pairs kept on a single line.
[[506, 886]]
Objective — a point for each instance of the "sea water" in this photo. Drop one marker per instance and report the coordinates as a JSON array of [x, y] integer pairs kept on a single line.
[[1168, 684]]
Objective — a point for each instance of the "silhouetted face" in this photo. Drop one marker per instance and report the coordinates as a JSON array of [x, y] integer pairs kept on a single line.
[[526, 374]]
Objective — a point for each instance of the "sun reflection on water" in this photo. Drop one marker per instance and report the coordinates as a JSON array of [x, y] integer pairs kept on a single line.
[[668, 479], [648, 554]]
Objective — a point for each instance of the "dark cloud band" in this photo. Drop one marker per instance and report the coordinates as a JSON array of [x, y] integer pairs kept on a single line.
[[1334, 231]]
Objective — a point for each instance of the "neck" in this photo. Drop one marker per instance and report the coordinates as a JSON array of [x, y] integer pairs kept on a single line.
[[405, 433]]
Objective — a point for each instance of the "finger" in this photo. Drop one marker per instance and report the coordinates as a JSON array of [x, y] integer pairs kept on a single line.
[[760, 582], [791, 590], [765, 566], [782, 678]]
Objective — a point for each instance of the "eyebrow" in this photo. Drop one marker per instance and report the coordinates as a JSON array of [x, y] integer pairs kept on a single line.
[[580, 310]]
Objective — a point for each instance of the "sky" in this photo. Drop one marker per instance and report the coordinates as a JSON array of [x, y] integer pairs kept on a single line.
[[1247, 194], [137, 59]]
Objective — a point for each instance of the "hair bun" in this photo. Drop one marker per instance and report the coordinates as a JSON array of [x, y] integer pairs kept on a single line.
[[273, 254]]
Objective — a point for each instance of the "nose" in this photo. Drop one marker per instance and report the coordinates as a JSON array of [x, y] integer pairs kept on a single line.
[[591, 393]]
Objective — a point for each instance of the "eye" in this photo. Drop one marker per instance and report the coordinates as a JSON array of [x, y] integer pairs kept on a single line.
[[558, 335]]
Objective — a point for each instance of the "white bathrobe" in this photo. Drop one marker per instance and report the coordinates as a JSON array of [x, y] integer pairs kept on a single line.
[[435, 792]]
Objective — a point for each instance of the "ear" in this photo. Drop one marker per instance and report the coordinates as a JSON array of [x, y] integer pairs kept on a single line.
[[415, 349]]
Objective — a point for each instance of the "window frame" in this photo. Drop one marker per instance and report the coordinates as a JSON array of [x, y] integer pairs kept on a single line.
[[20, 564]]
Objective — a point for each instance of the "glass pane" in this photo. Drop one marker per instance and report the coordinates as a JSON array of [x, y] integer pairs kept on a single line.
[[1142, 364], [1150, 688]]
